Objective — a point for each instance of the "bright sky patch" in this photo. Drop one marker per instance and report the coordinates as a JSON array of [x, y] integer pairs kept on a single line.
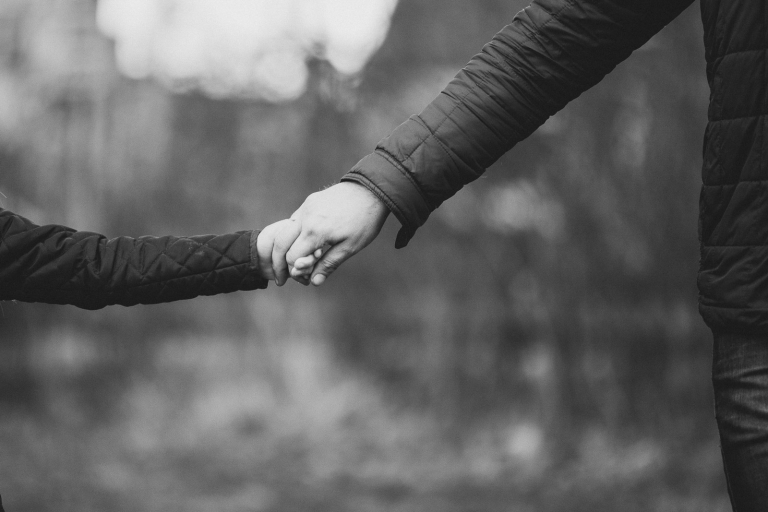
[[251, 48]]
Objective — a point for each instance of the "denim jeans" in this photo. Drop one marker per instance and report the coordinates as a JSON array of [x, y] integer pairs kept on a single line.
[[740, 378]]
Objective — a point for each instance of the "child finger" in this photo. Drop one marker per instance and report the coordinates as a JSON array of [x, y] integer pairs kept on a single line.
[[295, 272], [305, 262], [303, 247]]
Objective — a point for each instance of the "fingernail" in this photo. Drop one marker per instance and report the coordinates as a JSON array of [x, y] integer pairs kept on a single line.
[[318, 279]]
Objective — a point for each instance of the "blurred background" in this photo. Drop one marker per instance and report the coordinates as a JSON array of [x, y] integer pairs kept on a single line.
[[536, 347]]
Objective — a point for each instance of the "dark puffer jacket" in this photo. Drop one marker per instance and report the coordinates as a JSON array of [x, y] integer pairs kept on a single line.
[[552, 52], [59, 265]]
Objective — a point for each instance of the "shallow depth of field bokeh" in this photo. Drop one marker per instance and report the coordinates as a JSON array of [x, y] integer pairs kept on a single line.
[[536, 347]]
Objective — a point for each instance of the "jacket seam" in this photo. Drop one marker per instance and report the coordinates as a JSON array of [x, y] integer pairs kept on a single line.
[[522, 115], [420, 120], [389, 157], [378, 192], [732, 308], [761, 126], [136, 287], [553, 17], [737, 52], [738, 118], [735, 184], [735, 246], [448, 153]]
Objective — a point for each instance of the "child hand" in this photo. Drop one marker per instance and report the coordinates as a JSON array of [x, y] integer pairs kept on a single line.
[[303, 266], [271, 237]]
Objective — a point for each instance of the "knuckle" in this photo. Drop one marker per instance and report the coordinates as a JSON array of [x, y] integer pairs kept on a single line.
[[280, 247], [311, 231], [332, 264]]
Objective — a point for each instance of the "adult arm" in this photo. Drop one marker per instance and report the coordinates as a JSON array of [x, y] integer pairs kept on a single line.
[[59, 265], [551, 52]]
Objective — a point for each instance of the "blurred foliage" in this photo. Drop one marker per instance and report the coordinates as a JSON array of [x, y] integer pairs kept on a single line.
[[536, 346]]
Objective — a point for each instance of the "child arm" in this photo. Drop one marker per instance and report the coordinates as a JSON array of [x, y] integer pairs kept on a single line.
[[59, 265]]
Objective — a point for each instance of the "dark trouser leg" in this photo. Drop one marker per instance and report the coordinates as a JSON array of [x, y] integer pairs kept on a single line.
[[740, 378]]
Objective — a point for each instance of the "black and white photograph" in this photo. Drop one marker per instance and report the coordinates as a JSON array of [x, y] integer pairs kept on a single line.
[[383, 256]]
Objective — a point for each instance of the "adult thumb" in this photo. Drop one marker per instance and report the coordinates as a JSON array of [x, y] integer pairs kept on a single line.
[[329, 262]]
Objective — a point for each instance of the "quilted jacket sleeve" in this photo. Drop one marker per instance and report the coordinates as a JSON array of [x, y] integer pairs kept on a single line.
[[59, 265], [551, 52]]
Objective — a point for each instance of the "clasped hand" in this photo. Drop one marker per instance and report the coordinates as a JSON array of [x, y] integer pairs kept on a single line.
[[330, 227]]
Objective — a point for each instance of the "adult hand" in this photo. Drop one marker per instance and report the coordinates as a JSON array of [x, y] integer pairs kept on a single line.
[[345, 218]]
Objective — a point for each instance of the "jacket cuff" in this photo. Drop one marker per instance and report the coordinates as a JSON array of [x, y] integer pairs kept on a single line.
[[255, 254], [396, 188]]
